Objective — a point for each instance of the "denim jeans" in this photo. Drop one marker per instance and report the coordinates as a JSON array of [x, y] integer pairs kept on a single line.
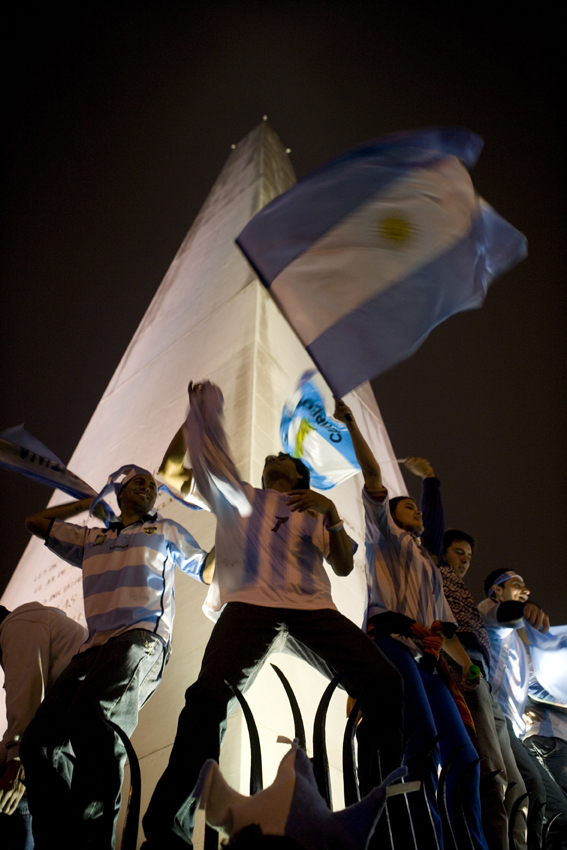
[[15, 830], [240, 642], [429, 708], [493, 746], [550, 757], [74, 761]]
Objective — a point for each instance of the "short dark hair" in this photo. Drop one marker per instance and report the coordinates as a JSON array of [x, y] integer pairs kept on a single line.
[[303, 482], [393, 504], [490, 579], [3, 613], [453, 534]]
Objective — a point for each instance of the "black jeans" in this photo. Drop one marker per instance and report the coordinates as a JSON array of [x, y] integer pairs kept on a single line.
[[239, 644], [74, 761]]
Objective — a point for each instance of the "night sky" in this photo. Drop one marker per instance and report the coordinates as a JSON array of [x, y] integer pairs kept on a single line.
[[118, 120]]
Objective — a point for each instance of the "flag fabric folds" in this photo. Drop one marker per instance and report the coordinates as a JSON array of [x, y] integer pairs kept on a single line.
[[213, 467], [21, 452], [366, 255], [310, 434], [549, 658]]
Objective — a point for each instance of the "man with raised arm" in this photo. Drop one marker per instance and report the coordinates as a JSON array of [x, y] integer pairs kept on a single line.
[[269, 582], [406, 600], [452, 550], [73, 759]]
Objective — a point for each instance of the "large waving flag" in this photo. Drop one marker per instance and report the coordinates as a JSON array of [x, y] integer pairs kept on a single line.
[[310, 434], [369, 253]]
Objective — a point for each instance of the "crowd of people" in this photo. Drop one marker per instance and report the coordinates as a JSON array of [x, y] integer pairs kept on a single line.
[[437, 678]]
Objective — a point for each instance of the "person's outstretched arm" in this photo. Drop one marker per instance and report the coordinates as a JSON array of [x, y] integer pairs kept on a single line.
[[368, 464], [431, 506], [172, 469], [214, 471], [39, 523]]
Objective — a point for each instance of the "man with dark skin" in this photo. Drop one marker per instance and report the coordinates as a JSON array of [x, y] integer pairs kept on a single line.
[[73, 759]]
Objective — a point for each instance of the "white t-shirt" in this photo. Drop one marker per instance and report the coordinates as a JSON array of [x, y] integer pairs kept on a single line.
[[36, 644], [272, 558]]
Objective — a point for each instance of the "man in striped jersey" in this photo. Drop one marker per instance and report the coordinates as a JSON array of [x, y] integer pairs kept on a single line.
[[270, 585], [73, 760]]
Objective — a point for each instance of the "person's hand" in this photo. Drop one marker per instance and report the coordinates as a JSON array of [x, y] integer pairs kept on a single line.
[[342, 411], [533, 715], [304, 500], [536, 617], [196, 390], [11, 787], [419, 466], [100, 512], [468, 682]]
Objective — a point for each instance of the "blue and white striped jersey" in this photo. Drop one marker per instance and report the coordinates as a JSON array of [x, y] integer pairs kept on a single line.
[[402, 577], [272, 558], [509, 666], [128, 573]]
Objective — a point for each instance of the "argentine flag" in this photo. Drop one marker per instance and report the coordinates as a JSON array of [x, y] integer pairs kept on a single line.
[[549, 658], [310, 434], [21, 452], [366, 255]]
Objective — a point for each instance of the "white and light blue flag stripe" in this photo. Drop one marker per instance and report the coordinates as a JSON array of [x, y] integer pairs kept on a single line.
[[369, 253], [309, 433], [549, 659], [21, 452]]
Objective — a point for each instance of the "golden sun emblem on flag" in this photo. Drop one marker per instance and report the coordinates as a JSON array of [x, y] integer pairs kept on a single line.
[[395, 230]]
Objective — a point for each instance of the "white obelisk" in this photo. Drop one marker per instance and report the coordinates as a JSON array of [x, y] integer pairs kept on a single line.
[[211, 318]]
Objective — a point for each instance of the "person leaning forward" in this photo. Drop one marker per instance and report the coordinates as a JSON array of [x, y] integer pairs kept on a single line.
[[73, 760], [269, 581]]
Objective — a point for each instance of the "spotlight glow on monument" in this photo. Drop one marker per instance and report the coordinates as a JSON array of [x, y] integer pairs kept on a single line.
[[211, 318]]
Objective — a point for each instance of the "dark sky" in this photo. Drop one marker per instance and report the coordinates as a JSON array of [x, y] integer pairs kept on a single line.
[[118, 119]]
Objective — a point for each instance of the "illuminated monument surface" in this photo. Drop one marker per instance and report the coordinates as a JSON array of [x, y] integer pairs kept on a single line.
[[211, 318]]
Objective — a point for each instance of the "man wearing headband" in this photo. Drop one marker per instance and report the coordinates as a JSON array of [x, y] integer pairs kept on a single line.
[[73, 760], [506, 611]]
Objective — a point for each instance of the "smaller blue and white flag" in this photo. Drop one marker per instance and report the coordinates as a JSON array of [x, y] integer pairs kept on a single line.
[[369, 253], [21, 452], [309, 433]]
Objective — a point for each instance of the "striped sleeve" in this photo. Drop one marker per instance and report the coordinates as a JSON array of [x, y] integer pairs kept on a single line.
[[186, 552], [378, 518], [68, 541]]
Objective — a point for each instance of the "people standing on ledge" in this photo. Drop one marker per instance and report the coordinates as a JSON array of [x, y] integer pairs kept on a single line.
[[452, 550], [36, 644], [406, 599], [73, 759], [270, 582]]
